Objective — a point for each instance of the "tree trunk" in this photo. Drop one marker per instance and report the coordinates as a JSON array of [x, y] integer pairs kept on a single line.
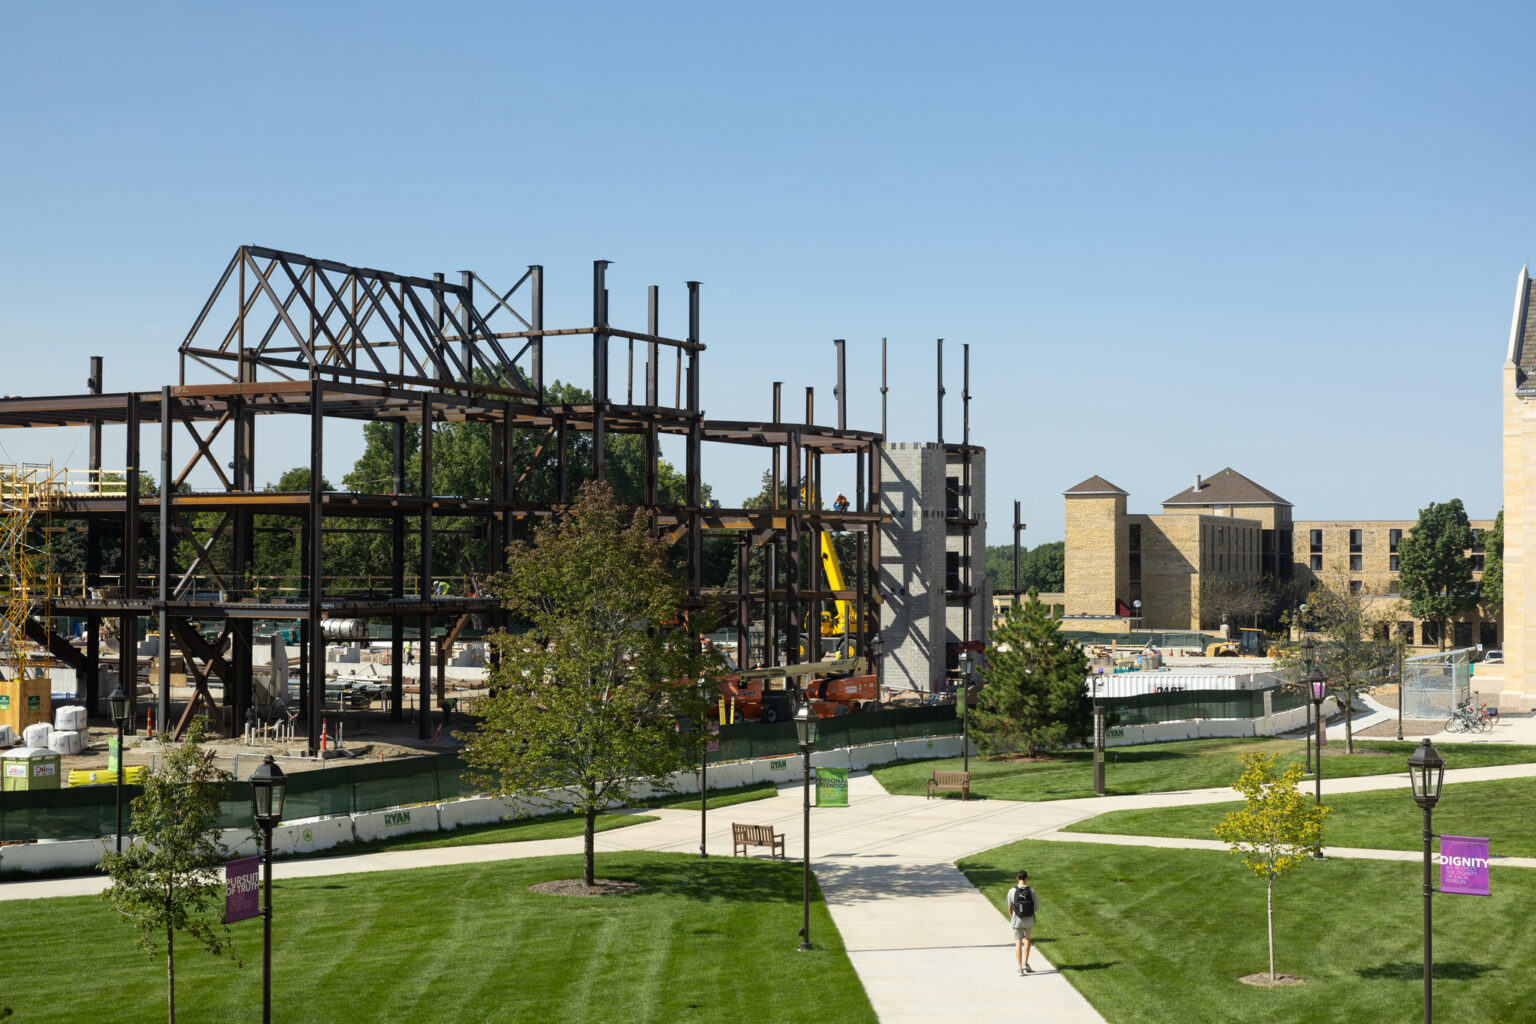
[[170, 971], [1349, 720], [587, 867], [1269, 900]]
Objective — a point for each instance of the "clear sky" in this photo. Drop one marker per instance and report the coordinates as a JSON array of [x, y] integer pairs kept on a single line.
[[1176, 237]]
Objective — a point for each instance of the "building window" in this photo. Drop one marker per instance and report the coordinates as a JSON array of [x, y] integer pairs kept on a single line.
[[1477, 540], [1394, 538], [1317, 563], [1354, 563], [952, 571], [1354, 586], [1477, 563], [1356, 538], [1317, 541], [1488, 634], [1429, 634], [1405, 630], [1135, 540], [1392, 563], [1463, 634], [952, 497], [1135, 568]]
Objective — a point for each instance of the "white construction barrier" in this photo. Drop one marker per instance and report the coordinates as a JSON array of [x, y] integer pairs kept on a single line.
[[871, 754], [778, 770], [399, 822], [75, 853], [830, 758], [937, 746], [730, 776]]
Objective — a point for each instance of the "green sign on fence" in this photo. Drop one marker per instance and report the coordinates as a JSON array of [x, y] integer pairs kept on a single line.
[[831, 787]]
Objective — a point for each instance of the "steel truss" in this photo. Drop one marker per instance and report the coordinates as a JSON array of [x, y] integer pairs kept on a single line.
[[285, 334]]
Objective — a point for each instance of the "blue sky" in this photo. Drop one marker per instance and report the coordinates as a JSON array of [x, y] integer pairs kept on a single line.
[[1176, 237]]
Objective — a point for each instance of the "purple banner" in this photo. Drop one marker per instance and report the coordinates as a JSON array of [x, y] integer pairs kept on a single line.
[[242, 880], [712, 742], [1464, 865]]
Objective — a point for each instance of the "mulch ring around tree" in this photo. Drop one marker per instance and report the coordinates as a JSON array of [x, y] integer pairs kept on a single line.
[[1263, 980], [599, 887]]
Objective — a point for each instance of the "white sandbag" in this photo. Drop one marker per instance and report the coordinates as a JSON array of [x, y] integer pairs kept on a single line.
[[65, 741], [36, 734], [69, 718]]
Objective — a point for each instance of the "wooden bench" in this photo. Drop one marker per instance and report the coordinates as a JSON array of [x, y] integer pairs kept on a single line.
[[743, 836], [952, 782]]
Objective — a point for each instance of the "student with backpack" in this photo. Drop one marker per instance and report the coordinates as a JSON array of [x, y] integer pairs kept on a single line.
[[1023, 904]]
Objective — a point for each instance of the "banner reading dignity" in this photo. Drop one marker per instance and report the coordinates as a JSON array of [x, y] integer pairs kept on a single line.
[[241, 878], [1464, 865]]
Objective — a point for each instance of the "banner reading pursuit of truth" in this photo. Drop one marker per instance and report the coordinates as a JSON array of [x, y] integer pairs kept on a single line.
[[241, 879], [831, 787], [1464, 865]]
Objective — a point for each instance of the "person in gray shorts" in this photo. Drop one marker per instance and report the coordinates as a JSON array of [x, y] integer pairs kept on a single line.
[[1022, 897]]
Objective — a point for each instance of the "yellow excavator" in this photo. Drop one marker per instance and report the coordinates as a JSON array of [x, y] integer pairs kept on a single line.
[[843, 620], [1251, 643]]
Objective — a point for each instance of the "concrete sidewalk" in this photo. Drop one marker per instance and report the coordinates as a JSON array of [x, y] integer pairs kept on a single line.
[[928, 947]]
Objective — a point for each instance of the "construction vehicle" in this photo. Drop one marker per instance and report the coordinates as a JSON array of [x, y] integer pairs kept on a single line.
[[1251, 643], [841, 619], [834, 688]]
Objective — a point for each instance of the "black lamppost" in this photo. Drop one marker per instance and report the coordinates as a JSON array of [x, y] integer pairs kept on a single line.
[[118, 703], [805, 732], [704, 766], [1319, 686], [967, 661], [268, 787], [876, 648], [1137, 605], [1308, 651], [1426, 770]]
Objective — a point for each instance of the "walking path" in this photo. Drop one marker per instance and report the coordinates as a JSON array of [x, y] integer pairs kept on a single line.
[[928, 947]]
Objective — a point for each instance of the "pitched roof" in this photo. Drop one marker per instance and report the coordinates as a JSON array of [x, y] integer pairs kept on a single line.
[[1095, 485], [1228, 487], [1522, 332]]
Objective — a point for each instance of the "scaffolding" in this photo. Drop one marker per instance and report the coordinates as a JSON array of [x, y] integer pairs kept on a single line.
[[284, 334], [27, 498]]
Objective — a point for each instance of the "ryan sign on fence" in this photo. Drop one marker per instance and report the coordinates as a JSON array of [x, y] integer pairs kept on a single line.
[[241, 878], [1464, 865]]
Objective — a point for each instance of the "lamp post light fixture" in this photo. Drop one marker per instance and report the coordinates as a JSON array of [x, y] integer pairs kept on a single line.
[[1319, 686], [1426, 771], [1098, 735], [805, 733], [876, 649], [1137, 605], [1308, 652], [967, 663], [118, 703], [268, 788]]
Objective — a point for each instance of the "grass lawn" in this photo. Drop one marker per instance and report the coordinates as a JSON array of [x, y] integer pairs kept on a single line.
[[717, 797], [1150, 935], [708, 940], [1163, 767], [1504, 810]]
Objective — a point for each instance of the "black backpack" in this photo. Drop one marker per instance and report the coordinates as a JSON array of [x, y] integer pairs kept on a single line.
[[1023, 902]]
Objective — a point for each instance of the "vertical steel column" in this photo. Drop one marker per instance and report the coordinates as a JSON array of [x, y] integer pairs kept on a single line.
[[536, 323], [792, 551], [970, 623], [876, 455], [315, 584], [771, 574], [816, 575], [840, 392], [397, 578], [440, 321], [695, 451], [162, 602], [653, 354], [1018, 529], [424, 699], [93, 559], [128, 670], [240, 569], [599, 368], [884, 432], [941, 392], [743, 604], [467, 322]]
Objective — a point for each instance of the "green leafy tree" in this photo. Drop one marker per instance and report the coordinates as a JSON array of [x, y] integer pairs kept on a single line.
[[1035, 694], [1278, 828], [1435, 572], [172, 880], [1042, 567], [1359, 649], [593, 697], [1491, 588]]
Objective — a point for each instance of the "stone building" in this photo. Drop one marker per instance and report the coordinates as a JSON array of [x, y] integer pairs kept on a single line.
[[1519, 415]]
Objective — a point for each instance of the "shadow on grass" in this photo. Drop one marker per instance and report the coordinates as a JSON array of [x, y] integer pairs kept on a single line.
[[1409, 970], [1098, 965], [734, 879]]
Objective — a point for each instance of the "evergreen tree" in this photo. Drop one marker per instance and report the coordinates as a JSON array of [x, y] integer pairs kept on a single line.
[[1435, 571], [1035, 693]]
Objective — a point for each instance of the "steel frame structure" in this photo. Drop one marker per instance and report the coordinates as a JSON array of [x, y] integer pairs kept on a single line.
[[327, 341]]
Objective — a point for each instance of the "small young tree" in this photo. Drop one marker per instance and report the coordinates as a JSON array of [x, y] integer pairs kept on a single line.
[[1435, 571], [1035, 694], [173, 880], [1277, 830], [592, 697]]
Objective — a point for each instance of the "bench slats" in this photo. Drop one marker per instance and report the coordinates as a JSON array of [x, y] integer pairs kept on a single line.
[[953, 782], [744, 836]]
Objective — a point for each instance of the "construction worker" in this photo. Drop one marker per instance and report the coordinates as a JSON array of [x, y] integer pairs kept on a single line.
[[840, 503]]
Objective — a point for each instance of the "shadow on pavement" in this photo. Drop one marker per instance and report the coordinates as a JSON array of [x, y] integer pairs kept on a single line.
[[853, 878]]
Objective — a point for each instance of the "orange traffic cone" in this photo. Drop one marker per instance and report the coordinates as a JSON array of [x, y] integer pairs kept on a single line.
[[149, 723], [324, 734]]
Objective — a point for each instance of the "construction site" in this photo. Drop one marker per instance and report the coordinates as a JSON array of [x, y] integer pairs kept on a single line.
[[140, 568]]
